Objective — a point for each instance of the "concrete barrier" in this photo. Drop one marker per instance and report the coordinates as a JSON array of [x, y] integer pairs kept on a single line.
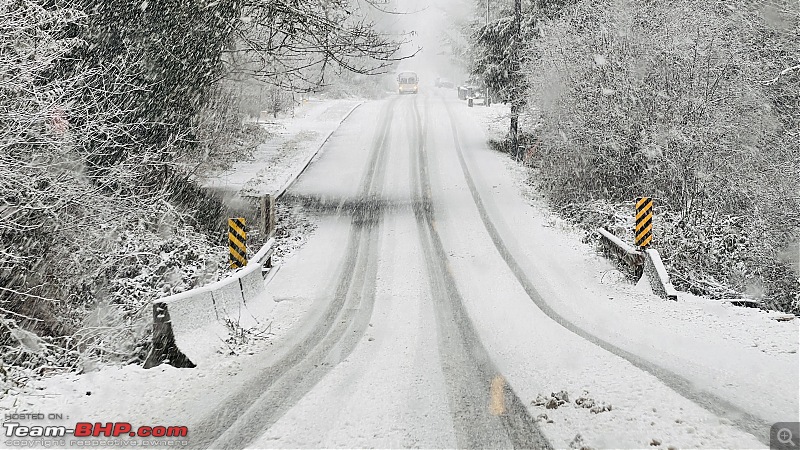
[[191, 328]]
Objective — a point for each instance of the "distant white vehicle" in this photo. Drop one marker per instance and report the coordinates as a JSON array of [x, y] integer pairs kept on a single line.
[[444, 83], [407, 83]]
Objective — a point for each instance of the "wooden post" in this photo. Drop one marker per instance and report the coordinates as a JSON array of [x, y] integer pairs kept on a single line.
[[267, 224]]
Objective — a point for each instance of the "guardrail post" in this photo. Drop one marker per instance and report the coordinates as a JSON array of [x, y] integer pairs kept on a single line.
[[268, 216], [268, 221], [237, 242], [164, 350], [643, 230]]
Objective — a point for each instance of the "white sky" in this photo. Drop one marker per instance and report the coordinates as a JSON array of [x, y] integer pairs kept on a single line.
[[430, 21]]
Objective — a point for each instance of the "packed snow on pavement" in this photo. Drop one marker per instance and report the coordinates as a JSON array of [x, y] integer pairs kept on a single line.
[[737, 353]]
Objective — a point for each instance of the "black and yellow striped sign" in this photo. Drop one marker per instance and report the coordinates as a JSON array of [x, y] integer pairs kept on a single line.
[[644, 221], [237, 242]]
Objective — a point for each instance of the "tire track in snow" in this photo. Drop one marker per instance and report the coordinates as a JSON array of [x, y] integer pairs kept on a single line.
[[265, 398], [469, 372], [740, 418]]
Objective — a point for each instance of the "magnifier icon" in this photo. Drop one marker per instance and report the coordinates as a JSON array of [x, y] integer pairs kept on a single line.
[[784, 436]]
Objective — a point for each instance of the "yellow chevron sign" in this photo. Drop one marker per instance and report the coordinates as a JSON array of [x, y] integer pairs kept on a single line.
[[237, 242], [644, 222]]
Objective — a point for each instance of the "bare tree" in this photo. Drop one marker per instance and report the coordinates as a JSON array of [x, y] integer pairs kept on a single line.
[[693, 105], [292, 43], [107, 109]]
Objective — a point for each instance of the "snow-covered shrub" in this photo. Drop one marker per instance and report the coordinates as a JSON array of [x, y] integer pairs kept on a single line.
[[726, 256], [687, 102], [94, 223]]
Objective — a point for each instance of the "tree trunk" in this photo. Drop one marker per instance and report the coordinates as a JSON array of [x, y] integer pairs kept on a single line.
[[513, 130], [515, 103]]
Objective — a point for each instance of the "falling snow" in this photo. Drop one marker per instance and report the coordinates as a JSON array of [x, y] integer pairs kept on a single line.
[[435, 280]]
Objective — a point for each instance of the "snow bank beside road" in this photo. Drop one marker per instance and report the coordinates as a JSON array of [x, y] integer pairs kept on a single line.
[[159, 395], [738, 354], [747, 326], [163, 395], [275, 162], [295, 142]]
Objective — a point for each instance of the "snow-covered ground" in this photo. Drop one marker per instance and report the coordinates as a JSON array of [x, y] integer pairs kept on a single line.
[[742, 355], [127, 393], [293, 139], [397, 366], [747, 326]]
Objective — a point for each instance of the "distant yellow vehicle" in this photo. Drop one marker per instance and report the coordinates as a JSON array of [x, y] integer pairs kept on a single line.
[[407, 82]]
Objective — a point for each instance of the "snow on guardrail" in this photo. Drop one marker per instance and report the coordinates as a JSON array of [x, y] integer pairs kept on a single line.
[[639, 262], [190, 328], [658, 276], [630, 258]]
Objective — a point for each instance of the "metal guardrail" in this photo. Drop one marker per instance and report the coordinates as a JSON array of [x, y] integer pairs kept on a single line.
[[628, 257], [658, 276], [189, 327], [639, 262]]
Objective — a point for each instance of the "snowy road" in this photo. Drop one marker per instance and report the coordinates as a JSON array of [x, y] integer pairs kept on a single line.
[[437, 310]]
